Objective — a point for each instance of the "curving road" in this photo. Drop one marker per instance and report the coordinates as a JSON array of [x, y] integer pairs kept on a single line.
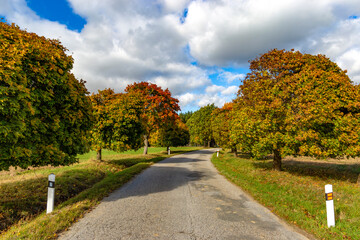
[[182, 197]]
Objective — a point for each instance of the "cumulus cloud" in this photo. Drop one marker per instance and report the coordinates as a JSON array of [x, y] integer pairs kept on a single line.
[[187, 99], [227, 31], [214, 89], [218, 95], [230, 77], [232, 90], [174, 6], [211, 99], [342, 45], [350, 60], [125, 41]]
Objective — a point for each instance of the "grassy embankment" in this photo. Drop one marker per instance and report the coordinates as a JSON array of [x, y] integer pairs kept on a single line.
[[79, 188], [297, 193]]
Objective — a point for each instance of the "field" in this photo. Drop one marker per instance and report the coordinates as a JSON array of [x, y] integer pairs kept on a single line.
[[79, 187], [297, 193]]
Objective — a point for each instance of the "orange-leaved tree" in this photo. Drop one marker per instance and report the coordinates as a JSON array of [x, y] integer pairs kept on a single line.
[[45, 115], [117, 121], [298, 104], [220, 126], [158, 107]]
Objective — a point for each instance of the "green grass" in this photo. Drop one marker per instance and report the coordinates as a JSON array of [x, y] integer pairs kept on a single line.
[[79, 188], [297, 193]]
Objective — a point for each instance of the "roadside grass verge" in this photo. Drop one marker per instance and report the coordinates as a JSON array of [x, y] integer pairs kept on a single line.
[[297, 193], [79, 188]]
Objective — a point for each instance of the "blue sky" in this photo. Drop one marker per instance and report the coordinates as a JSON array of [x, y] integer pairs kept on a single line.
[[198, 49], [58, 11]]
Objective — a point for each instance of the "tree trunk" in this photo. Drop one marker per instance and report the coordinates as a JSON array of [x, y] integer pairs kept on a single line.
[[234, 150], [209, 143], [277, 160], [98, 155], [146, 144]]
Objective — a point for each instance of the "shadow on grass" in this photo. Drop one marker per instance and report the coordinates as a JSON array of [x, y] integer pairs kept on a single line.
[[26, 199], [244, 155], [321, 170]]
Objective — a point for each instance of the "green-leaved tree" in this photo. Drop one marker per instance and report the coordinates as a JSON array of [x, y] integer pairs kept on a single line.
[[117, 121], [45, 115], [199, 125]]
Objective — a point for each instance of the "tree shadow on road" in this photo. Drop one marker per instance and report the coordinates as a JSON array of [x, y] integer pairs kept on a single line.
[[162, 178]]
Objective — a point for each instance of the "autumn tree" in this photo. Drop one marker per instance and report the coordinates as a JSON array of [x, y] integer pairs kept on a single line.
[[220, 126], [173, 134], [184, 117], [199, 125], [117, 121], [298, 104], [45, 115], [158, 108], [243, 129]]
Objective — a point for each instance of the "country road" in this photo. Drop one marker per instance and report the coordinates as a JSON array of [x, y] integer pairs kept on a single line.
[[182, 197]]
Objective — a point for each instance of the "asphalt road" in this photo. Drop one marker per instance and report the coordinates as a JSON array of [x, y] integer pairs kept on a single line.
[[182, 197]]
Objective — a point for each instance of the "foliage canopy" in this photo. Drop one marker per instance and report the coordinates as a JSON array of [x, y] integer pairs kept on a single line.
[[220, 126], [45, 115], [173, 134], [199, 125], [159, 108], [117, 126], [298, 104]]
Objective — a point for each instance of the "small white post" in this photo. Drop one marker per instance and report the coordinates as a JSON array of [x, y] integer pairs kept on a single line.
[[169, 151], [330, 205], [51, 194], [217, 153]]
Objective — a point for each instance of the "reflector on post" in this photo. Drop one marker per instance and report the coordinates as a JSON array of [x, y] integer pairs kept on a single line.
[[51, 193], [329, 196]]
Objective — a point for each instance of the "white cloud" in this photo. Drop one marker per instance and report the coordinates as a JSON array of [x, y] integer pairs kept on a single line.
[[228, 31], [232, 90], [187, 98], [209, 99], [141, 40], [214, 89], [214, 94], [174, 6], [230, 77], [350, 60], [342, 45]]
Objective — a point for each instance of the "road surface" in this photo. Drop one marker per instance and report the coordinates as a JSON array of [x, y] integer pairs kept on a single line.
[[182, 197]]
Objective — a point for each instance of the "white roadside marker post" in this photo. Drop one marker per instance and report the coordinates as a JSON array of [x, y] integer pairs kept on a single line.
[[217, 153], [51, 194], [329, 205], [169, 151]]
